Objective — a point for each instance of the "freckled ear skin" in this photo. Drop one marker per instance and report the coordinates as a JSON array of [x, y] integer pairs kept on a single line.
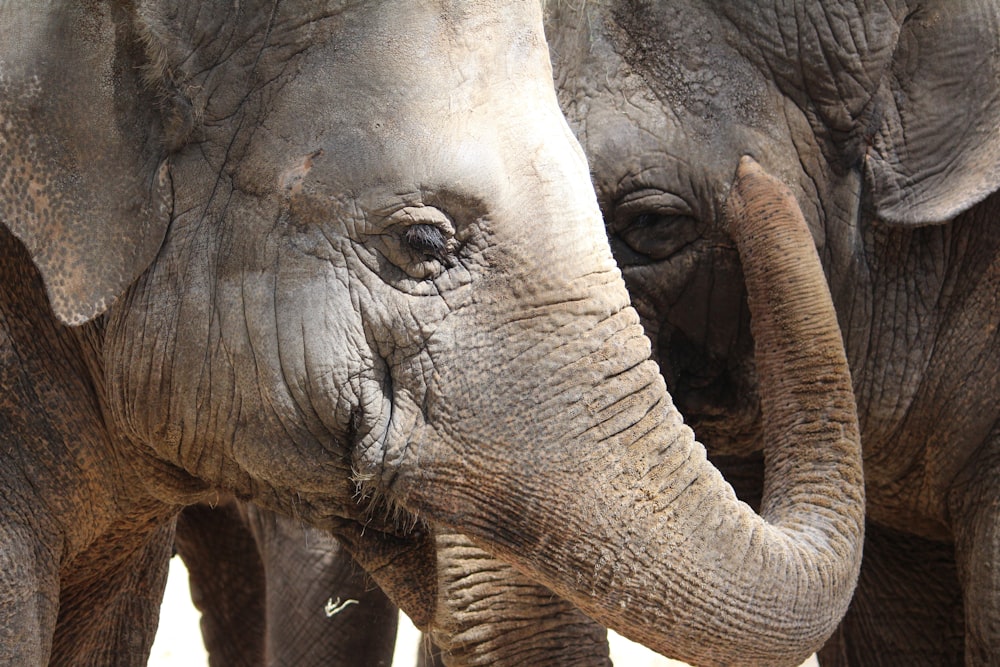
[[83, 182]]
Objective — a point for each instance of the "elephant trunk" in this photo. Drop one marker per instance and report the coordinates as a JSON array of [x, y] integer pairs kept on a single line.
[[490, 614], [630, 522]]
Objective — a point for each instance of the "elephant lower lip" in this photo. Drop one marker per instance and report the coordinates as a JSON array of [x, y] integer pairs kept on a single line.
[[703, 382], [713, 387], [698, 405], [708, 393], [719, 410]]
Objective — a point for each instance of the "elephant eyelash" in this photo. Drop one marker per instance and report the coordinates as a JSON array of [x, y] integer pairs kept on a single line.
[[429, 241]]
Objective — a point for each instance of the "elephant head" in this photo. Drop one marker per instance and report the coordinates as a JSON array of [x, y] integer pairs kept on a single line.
[[882, 119], [345, 258], [877, 117]]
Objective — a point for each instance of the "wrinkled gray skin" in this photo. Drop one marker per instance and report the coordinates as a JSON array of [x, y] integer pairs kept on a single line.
[[882, 118], [302, 253]]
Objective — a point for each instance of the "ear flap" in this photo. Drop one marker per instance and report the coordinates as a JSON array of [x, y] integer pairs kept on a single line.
[[936, 150], [82, 180]]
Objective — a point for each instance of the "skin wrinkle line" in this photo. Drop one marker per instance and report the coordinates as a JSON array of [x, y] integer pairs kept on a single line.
[[281, 357], [655, 407], [312, 382]]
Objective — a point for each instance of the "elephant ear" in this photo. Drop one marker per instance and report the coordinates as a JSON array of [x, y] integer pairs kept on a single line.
[[83, 182], [936, 149]]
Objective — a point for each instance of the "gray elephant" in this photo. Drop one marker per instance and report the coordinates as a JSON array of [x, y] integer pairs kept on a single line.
[[883, 120], [304, 254]]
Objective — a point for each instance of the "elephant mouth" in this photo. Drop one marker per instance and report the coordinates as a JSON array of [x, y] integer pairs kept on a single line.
[[716, 392], [694, 310]]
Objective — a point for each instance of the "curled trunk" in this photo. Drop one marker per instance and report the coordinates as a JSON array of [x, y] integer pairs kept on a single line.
[[655, 545]]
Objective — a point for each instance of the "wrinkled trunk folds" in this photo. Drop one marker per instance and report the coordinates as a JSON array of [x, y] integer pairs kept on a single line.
[[489, 614], [639, 530]]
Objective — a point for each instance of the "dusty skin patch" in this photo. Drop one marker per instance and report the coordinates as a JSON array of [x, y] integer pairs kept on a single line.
[[290, 180]]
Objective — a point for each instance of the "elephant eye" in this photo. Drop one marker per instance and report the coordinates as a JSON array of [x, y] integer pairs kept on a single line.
[[647, 220], [652, 224], [420, 240]]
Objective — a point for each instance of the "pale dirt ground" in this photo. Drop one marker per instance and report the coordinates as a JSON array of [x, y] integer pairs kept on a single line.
[[178, 641]]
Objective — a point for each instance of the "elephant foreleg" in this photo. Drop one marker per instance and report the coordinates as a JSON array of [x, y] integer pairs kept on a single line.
[[975, 512], [322, 609], [273, 591], [29, 599], [227, 582], [110, 603], [906, 611]]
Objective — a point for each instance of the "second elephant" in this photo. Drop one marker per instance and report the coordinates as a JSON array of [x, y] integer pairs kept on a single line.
[[883, 120]]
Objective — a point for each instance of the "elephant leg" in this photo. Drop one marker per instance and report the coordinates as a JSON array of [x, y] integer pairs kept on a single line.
[[975, 513], [322, 609], [109, 605], [227, 582], [29, 598], [907, 609], [490, 614], [262, 582]]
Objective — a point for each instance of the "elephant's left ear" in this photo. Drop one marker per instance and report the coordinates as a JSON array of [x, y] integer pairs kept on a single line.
[[83, 182], [936, 149]]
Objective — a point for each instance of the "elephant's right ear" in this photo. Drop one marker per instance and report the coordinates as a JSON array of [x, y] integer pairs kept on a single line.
[[83, 182], [936, 147]]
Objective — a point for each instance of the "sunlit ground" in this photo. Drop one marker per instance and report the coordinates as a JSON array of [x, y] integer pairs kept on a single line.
[[178, 641]]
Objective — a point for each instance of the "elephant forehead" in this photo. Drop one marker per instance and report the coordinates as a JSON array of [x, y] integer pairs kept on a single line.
[[375, 56], [456, 95], [655, 109], [689, 62]]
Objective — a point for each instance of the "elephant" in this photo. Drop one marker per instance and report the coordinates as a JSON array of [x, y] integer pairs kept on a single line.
[[302, 254], [882, 119]]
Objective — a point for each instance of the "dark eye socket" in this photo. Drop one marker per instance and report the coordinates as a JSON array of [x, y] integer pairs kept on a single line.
[[653, 225]]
